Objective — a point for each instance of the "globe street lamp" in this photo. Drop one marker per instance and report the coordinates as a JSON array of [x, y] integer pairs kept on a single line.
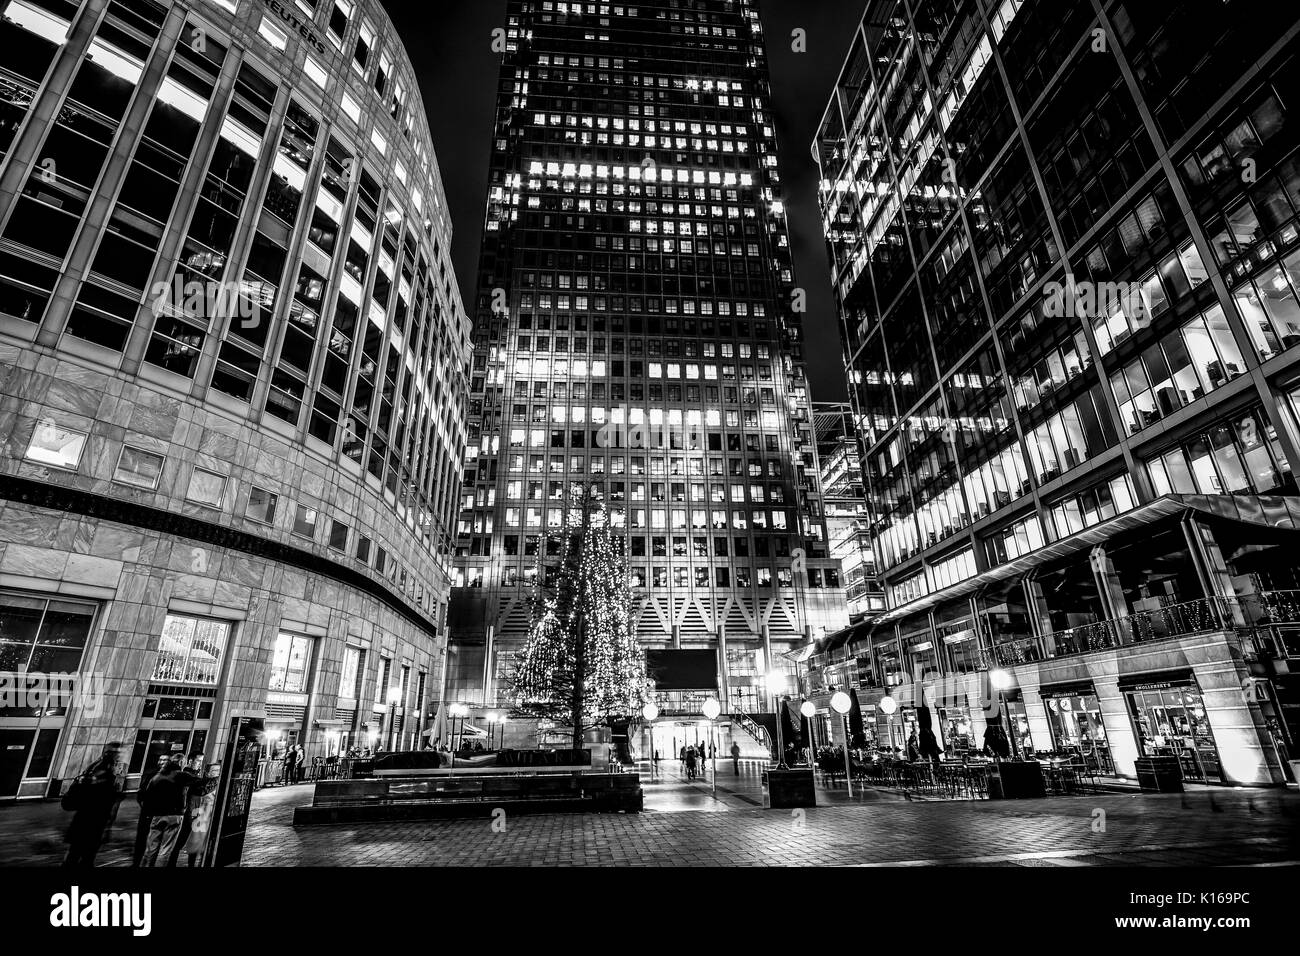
[[887, 707], [711, 711], [840, 703], [808, 710]]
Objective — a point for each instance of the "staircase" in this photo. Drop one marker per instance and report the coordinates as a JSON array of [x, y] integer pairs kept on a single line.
[[754, 740]]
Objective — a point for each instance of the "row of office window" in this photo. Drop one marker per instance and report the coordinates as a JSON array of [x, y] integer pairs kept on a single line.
[[61, 447]]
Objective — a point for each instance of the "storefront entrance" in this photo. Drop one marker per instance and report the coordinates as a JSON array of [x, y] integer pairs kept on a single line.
[[1170, 720], [1075, 722]]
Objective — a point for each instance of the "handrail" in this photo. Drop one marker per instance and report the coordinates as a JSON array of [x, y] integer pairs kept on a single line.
[[752, 727], [1238, 613]]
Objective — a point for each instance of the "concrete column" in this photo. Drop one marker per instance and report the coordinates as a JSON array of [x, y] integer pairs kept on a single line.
[[1040, 619], [1040, 735], [1119, 727], [489, 672], [724, 680], [1241, 736], [1113, 604], [1212, 570]]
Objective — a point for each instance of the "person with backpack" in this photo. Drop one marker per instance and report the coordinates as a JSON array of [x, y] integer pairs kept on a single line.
[[93, 799]]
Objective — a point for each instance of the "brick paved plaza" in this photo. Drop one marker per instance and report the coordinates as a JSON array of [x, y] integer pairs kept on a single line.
[[684, 824]]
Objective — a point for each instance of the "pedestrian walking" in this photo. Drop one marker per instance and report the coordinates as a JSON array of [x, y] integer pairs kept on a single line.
[[682, 756], [93, 799], [735, 758], [142, 824], [690, 763], [164, 801], [300, 764]]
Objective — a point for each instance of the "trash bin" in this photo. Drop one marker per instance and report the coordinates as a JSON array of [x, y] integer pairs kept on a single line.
[[1159, 774], [789, 788]]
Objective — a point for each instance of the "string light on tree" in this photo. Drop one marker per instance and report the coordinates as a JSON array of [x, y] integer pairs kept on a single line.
[[581, 665]]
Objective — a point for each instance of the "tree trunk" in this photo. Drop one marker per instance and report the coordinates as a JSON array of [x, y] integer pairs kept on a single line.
[[580, 651]]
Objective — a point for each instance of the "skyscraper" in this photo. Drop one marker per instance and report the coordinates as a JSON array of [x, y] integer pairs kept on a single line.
[[1065, 252], [636, 328], [232, 357]]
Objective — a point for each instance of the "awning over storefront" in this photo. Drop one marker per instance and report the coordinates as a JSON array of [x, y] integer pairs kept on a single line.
[[1273, 511]]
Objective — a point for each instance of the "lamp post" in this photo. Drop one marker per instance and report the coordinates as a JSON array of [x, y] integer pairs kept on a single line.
[[1000, 680], [840, 703], [711, 711], [808, 710], [650, 712], [887, 707], [394, 699], [774, 680]]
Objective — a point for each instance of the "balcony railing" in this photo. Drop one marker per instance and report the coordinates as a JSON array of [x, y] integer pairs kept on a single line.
[[1243, 615]]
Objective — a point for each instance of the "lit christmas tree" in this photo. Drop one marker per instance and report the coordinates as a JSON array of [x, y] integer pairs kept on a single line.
[[581, 665]]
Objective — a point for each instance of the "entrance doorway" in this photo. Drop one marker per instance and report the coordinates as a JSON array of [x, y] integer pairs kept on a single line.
[[670, 736], [1171, 721]]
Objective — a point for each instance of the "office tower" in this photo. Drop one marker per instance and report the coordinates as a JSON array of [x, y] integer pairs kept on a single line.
[[844, 496], [1064, 245], [635, 277], [232, 359]]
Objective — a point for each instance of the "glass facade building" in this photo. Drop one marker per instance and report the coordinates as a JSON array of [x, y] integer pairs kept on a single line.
[[635, 328], [232, 378], [839, 463], [1064, 242]]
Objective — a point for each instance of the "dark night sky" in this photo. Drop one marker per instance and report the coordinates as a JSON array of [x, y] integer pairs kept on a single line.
[[450, 43]]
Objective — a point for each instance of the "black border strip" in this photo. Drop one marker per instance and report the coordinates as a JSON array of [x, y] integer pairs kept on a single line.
[[60, 498]]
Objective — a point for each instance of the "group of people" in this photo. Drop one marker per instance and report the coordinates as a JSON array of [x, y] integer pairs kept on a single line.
[[294, 766], [177, 799], [692, 758]]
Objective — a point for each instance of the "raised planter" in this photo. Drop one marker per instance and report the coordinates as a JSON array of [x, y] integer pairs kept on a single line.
[[1016, 780], [1159, 774], [469, 795], [789, 788]]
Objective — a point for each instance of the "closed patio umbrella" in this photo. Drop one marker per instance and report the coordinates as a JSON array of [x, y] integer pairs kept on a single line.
[[857, 731]]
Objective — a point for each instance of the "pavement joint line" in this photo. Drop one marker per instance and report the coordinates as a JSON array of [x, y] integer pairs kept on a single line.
[[1064, 854]]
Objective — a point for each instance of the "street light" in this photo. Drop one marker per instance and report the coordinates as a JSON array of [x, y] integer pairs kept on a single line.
[[494, 718], [840, 703], [394, 698], [887, 707], [808, 710], [711, 711]]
